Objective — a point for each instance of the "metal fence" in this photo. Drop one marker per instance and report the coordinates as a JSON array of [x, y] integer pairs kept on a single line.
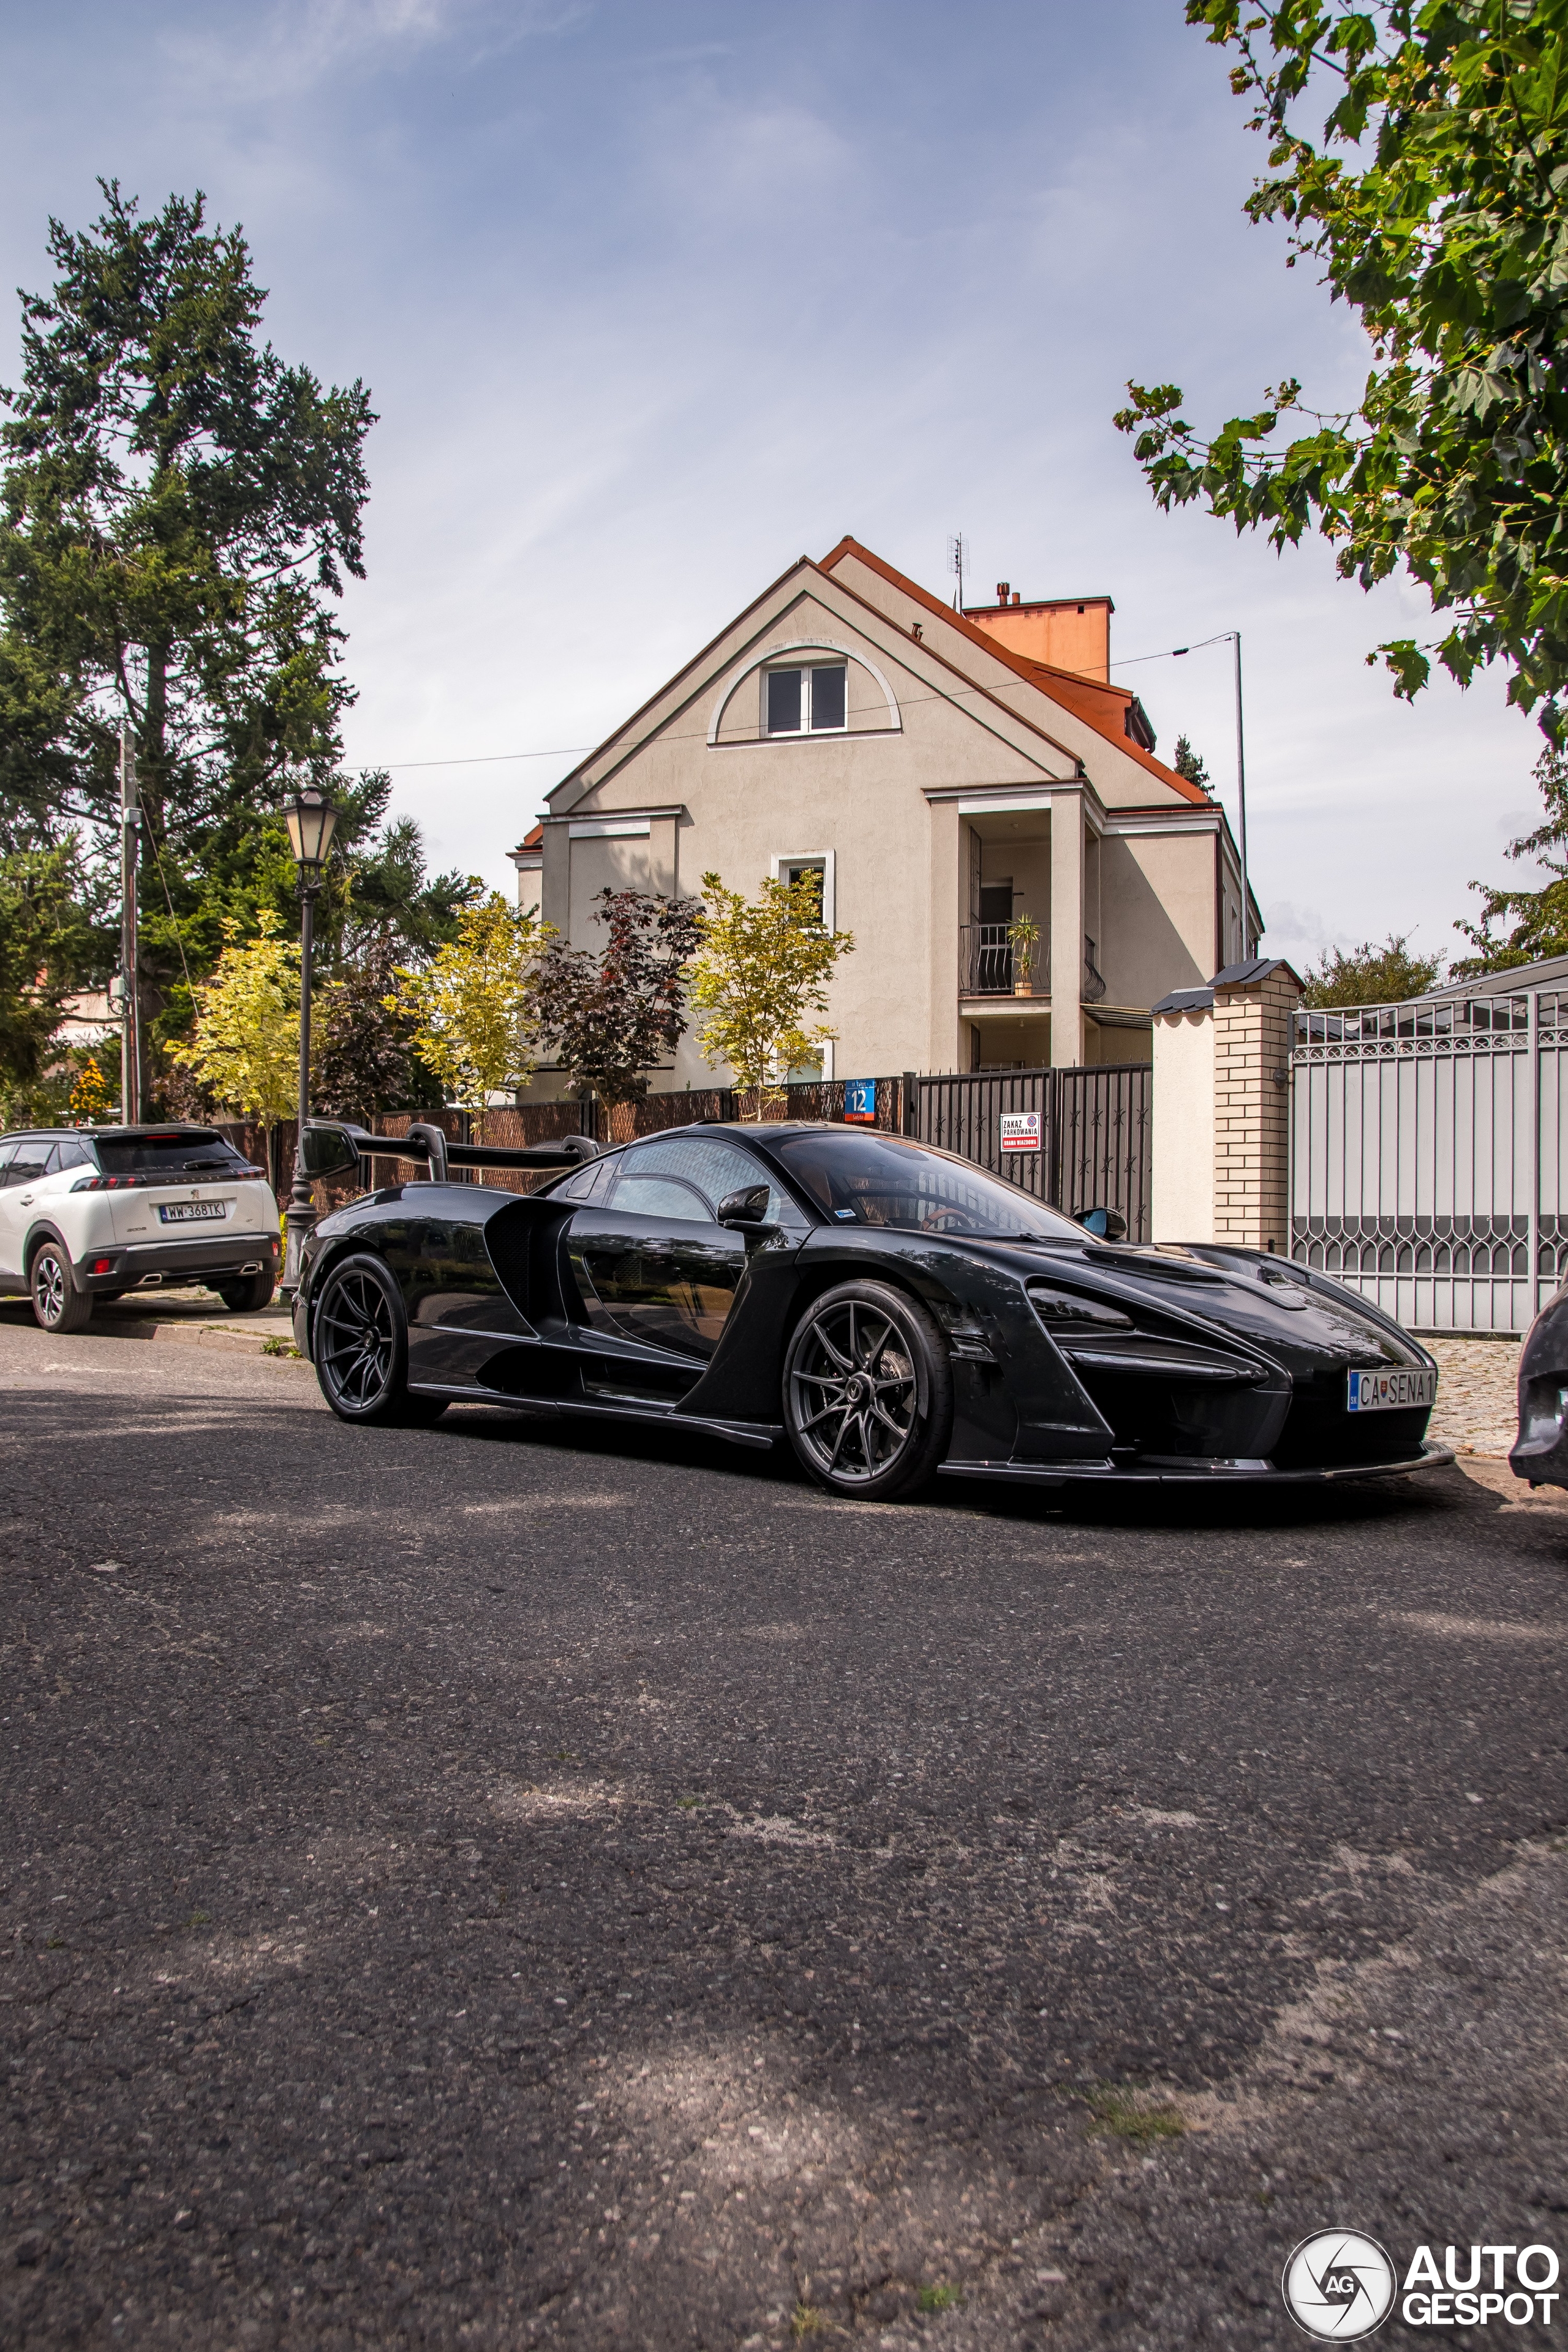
[[1427, 1155], [1093, 1128]]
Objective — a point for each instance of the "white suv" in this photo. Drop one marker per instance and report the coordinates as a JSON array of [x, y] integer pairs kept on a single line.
[[89, 1213]]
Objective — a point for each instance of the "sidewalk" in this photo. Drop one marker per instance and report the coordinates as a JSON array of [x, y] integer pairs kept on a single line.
[[1478, 1382], [193, 1317]]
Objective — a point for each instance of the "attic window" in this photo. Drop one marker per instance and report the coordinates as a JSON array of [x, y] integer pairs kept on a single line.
[[806, 701]]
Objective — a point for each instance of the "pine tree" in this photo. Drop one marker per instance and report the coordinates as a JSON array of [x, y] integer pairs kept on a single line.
[[1190, 763]]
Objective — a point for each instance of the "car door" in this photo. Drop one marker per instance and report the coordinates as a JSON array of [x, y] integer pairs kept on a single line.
[[9, 1238], [651, 1261], [20, 1176]]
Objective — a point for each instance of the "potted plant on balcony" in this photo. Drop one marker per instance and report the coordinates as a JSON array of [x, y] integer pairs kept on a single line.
[[1024, 939]]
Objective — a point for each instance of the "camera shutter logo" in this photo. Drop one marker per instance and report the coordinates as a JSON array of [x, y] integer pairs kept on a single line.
[[1339, 2286]]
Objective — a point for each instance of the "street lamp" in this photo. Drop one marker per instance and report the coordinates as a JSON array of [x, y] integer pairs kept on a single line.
[[312, 821], [1233, 638]]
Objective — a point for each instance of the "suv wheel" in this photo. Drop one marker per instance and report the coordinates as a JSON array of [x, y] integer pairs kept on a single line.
[[867, 1392], [57, 1304], [248, 1295], [360, 1343]]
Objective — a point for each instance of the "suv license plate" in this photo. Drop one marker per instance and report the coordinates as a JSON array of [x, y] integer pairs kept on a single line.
[[1400, 1392], [189, 1212]]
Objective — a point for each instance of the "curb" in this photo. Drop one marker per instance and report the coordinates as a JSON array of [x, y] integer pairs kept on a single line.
[[194, 1335]]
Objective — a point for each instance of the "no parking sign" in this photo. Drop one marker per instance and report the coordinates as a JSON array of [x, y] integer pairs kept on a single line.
[[1020, 1130]]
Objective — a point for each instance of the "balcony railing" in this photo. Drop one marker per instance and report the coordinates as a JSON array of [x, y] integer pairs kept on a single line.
[[988, 965]]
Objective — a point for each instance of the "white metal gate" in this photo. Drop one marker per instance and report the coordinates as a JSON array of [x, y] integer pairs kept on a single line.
[[1427, 1155]]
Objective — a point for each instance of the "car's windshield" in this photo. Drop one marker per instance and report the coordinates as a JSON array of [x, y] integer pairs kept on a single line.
[[879, 1180], [197, 1152]]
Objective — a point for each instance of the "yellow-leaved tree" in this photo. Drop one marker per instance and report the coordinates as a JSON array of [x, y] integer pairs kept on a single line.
[[761, 971], [474, 1005], [245, 1047]]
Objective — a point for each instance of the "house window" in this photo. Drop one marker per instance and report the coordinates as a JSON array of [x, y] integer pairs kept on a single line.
[[817, 865], [806, 701], [811, 869]]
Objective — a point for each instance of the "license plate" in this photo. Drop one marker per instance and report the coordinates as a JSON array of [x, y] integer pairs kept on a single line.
[[1400, 1392], [190, 1212]]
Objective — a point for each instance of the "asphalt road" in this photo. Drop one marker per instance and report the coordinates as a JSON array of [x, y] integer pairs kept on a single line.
[[490, 1886]]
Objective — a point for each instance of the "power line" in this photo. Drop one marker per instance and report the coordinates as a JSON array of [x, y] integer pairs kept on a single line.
[[575, 751], [1171, 652], [482, 759]]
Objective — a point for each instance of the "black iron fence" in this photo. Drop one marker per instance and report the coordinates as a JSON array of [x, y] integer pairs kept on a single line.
[[1074, 1139]]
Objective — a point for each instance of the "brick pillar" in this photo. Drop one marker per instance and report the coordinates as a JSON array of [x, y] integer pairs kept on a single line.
[[1251, 1106]]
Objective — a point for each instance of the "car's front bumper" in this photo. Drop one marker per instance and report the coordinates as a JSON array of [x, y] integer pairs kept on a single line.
[[1198, 1472], [204, 1257]]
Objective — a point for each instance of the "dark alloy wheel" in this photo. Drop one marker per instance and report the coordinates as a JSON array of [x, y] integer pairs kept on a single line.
[[248, 1294], [360, 1347], [57, 1304], [867, 1392]]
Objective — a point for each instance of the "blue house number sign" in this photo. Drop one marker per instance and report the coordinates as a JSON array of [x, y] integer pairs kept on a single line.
[[860, 1101]]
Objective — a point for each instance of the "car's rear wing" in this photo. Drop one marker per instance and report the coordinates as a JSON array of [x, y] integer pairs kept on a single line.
[[332, 1146]]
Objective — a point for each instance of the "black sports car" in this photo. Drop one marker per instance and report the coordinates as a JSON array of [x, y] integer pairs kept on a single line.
[[893, 1310], [1541, 1450]]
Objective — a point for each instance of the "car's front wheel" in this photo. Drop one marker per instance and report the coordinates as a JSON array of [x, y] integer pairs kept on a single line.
[[248, 1294], [867, 1392], [360, 1347], [57, 1304]]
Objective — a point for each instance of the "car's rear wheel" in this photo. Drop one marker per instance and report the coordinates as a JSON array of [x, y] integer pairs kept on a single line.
[[249, 1294], [867, 1392], [360, 1347], [57, 1304]]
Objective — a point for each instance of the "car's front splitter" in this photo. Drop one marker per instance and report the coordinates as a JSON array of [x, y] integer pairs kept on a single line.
[[1197, 1474]]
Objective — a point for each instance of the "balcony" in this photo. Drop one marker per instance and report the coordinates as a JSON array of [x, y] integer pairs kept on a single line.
[[987, 965]]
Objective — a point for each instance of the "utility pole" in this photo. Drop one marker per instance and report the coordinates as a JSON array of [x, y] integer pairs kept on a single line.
[[130, 1015], [1232, 638], [1246, 942]]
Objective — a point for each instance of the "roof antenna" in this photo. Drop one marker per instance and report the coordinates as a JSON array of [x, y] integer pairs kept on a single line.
[[957, 561]]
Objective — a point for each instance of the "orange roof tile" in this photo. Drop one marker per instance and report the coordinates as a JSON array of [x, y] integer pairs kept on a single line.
[[1099, 706]]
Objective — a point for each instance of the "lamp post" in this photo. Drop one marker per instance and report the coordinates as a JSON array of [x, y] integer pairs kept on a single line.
[[312, 821], [1232, 638]]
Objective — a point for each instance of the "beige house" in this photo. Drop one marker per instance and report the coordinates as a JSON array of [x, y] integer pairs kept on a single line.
[[946, 773]]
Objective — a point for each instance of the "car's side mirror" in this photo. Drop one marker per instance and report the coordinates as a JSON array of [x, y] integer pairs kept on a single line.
[[1106, 1224], [331, 1148], [746, 1209]]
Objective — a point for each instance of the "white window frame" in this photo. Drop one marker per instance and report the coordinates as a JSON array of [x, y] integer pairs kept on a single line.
[[827, 860], [807, 670]]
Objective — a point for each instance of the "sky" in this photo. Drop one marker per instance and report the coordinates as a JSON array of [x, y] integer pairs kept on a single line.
[[655, 296]]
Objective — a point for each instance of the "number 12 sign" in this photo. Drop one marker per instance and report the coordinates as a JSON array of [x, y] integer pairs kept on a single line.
[[1020, 1130], [860, 1101]]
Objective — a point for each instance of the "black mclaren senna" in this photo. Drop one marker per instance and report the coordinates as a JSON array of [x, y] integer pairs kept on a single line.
[[892, 1310]]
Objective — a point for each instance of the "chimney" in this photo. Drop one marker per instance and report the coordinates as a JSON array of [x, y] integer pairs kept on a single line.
[[1003, 589]]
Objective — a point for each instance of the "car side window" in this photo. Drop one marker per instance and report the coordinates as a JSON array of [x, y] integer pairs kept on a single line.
[[660, 1196], [31, 1159], [7, 1153], [70, 1154], [714, 1167], [582, 1185]]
